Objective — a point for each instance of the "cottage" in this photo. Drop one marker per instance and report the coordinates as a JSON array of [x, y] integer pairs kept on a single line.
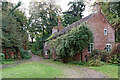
[[103, 33]]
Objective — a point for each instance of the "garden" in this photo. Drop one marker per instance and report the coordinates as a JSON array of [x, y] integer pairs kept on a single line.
[[23, 34]]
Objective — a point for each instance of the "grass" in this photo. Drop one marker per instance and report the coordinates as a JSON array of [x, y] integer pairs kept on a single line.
[[110, 70], [31, 70], [8, 62], [58, 63]]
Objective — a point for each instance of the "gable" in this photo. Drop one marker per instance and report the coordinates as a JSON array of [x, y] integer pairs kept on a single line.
[[100, 16], [77, 23]]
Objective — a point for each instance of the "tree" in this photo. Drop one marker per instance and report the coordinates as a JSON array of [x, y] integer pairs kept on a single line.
[[45, 16], [73, 42], [13, 28], [74, 13], [112, 12]]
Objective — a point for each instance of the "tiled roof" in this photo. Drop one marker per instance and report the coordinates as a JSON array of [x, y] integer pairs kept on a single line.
[[69, 27]]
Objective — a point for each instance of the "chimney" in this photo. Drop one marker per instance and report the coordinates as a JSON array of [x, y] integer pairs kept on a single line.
[[59, 25], [98, 6]]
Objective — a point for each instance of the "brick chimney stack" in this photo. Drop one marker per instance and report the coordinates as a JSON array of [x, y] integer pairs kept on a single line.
[[59, 25], [98, 6]]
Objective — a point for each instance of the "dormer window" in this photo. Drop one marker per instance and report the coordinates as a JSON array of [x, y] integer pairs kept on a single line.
[[105, 31]]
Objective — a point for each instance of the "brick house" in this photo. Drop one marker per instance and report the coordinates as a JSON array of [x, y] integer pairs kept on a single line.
[[103, 33]]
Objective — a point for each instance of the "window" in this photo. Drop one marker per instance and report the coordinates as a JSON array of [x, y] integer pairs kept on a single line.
[[45, 52], [105, 31], [90, 47], [108, 47]]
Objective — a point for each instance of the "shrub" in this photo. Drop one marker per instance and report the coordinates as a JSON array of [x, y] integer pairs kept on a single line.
[[73, 42], [95, 63], [114, 59], [2, 56], [96, 54], [95, 58], [25, 54], [104, 56]]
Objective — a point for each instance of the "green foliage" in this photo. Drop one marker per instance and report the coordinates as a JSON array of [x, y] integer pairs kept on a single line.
[[104, 56], [45, 17], [114, 59], [2, 56], [25, 54], [95, 63], [74, 13], [14, 33], [73, 42], [95, 58], [37, 47], [101, 55], [112, 12]]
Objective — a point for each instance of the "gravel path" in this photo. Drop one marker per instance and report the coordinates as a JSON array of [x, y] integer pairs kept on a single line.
[[69, 71]]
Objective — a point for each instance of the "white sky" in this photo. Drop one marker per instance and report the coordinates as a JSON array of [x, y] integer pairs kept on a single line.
[[62, 3]]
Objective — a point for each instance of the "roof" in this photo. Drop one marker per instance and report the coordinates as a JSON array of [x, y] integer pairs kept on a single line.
[[69, 27]]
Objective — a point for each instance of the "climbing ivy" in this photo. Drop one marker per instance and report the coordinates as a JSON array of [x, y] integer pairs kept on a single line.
[[73, 42]]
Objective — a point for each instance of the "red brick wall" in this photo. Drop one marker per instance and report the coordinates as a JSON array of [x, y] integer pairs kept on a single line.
[[97, 24]]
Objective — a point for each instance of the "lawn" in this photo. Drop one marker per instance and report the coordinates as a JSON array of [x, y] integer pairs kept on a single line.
[[31, 70], [8, 62], [110, 70]]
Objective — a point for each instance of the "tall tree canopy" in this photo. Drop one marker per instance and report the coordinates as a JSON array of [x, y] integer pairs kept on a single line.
[[44, 18], [13, 27], [74, 13]]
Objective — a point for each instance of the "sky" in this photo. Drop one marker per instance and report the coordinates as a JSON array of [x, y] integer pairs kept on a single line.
[[63, 4]]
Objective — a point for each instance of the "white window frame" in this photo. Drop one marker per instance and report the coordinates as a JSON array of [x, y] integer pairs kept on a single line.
[[91, 48], [105, 31], [108, 49], [45, 52]]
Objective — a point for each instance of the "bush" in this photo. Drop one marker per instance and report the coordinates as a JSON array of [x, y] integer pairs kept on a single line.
[[2, 56], [104, 56], [96, 54], [73, 42], [25, 54], [95, 58], [95, 63], [114, 59]]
